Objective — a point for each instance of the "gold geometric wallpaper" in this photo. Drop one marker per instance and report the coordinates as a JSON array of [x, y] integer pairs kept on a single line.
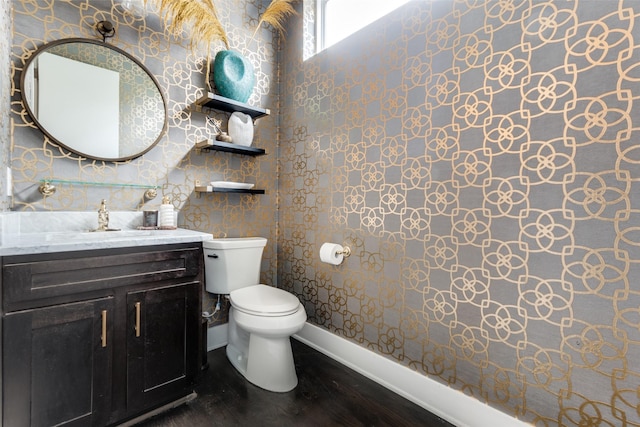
[[174, 165], [482, 161], [5, 90], [479, 157]]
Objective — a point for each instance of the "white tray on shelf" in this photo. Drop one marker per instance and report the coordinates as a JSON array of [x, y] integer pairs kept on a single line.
[[232, 185]]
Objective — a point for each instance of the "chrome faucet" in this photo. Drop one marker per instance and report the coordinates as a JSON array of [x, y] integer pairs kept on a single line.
[[103, 217]]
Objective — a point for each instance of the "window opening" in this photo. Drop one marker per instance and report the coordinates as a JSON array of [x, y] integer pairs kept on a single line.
[[338, 19]]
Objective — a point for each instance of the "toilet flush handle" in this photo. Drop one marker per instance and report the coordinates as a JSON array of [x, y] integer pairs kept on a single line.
[[213, 256]]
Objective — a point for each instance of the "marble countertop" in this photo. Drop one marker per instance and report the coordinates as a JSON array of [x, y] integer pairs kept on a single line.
[[46, 232]]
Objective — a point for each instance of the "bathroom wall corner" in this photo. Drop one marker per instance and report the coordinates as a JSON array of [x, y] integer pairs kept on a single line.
[[6, 24]]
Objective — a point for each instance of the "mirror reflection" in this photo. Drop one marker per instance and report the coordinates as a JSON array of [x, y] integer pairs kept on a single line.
[[94, 99]]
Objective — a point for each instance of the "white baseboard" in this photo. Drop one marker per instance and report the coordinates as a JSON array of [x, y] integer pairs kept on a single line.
[[217, 336], [449, 404]]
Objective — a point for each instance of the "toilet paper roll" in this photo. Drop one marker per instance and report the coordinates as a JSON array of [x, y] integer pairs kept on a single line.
[[329, 253]]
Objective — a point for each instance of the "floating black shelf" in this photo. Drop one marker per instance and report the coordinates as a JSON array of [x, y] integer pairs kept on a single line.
[[229, 147], [237, 190], [217, 102]]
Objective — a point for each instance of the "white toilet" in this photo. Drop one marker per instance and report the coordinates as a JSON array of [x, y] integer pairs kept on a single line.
[[261, 319]]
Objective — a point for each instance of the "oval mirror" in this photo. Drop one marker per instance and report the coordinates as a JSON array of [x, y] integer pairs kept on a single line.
[[94, 99]]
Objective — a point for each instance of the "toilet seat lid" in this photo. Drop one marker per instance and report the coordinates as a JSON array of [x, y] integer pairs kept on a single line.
[[264, 300]]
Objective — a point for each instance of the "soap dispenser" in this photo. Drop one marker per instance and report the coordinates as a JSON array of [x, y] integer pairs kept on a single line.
[[167, 216]]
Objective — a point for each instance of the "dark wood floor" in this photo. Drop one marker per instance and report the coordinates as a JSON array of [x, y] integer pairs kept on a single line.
[[328, 394]]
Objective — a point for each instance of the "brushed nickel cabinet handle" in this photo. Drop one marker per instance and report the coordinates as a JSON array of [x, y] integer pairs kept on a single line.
[[137, 319], [103, 338]]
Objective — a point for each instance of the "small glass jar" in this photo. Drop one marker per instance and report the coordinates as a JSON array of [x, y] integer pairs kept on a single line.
[[150, 218]]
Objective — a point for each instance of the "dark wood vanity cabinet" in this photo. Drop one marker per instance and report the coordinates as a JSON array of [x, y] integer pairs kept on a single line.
[[56, 368], [162, 352], [99, 337]]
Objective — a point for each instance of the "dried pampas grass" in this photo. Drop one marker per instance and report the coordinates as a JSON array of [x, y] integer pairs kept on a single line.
[[198, 17], [277, 12]]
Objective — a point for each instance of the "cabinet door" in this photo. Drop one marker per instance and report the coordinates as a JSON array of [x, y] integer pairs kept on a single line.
[[163, 326], [57, 364]]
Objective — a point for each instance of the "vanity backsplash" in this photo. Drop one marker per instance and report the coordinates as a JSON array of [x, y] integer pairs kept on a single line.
[[45, 232], [52, 222]]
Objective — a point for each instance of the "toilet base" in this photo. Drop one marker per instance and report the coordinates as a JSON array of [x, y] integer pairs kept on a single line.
[[273, 371], [264, 360]]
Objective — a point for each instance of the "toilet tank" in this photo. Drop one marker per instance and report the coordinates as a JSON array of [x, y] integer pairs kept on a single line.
[[232, 263]]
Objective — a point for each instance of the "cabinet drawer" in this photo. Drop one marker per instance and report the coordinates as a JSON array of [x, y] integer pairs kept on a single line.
[[26, 279]]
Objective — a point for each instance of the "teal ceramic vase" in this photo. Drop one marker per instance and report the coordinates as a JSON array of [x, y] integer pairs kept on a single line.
[[233, 75]]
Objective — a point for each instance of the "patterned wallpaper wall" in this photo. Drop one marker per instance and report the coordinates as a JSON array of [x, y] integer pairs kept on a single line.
[[481, 160], [5, 90], [174, 164]]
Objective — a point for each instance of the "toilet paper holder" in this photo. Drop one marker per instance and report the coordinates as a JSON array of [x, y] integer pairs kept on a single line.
[[345, 252], [334, 253]]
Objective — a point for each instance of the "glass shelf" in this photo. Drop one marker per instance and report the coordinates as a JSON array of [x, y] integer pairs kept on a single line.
[[47, 188], [98, 184]]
